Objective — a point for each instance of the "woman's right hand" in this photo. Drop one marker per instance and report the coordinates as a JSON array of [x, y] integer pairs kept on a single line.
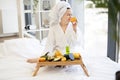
[[73, 20]]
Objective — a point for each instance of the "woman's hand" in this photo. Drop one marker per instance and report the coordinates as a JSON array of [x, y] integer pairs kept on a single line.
[[74, 24]]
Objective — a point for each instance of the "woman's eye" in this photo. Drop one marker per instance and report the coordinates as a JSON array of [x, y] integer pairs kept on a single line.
[[68, 15]]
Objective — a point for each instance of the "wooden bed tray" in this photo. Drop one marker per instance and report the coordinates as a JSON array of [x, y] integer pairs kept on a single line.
[[47, 63]]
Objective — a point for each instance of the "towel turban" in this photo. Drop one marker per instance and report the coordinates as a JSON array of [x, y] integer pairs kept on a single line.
[[57, 12]]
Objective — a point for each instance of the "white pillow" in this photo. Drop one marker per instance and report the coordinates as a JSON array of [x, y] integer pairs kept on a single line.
[[25, 47]]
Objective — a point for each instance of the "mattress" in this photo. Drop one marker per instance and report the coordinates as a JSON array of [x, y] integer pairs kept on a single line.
[[13, 65]]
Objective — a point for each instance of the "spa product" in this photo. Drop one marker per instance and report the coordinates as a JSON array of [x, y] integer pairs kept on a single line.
[[67, 49]]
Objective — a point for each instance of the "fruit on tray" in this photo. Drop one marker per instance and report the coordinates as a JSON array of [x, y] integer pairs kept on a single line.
[[57, 59], [66, 56], [73, 19], [57, 53], [76, 55], [42, 59], [50, 58], [69, 56], [45, 56], [63, 59]]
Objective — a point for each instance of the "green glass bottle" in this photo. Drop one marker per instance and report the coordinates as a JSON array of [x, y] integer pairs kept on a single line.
[[67, 49]]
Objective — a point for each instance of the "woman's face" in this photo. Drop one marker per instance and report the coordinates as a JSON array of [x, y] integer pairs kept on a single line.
[[66, 17]]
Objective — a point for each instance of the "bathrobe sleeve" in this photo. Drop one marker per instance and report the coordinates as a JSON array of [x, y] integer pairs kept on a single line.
[[73, 38]]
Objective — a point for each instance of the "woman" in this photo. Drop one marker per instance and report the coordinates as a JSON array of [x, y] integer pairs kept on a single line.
[[62, 32]]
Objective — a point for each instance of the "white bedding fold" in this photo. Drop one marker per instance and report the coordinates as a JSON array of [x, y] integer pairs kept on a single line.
[[24, 47]]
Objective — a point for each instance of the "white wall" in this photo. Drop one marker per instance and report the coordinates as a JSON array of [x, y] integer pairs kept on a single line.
[[9, 19]]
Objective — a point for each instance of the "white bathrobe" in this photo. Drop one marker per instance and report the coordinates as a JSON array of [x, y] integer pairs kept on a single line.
[[57, 39]]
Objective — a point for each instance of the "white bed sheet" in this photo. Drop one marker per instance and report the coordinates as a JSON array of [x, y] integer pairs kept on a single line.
[[15, 67], [2, 50]]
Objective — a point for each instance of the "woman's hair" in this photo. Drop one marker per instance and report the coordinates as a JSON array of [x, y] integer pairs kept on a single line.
[[68, 8], [58, 11]]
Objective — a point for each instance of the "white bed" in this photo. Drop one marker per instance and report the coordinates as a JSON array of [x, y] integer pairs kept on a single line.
[[13, 65]]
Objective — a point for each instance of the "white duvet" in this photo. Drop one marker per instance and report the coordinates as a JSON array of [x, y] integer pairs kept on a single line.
[[13, 65]]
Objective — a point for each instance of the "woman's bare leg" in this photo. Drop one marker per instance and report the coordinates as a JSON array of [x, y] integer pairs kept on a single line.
[[34, 60]]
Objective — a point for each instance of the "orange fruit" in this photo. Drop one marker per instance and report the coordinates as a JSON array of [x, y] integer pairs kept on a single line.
[[63, 59], [42, 59], [76, 55], [58, 53], [73, 19]]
